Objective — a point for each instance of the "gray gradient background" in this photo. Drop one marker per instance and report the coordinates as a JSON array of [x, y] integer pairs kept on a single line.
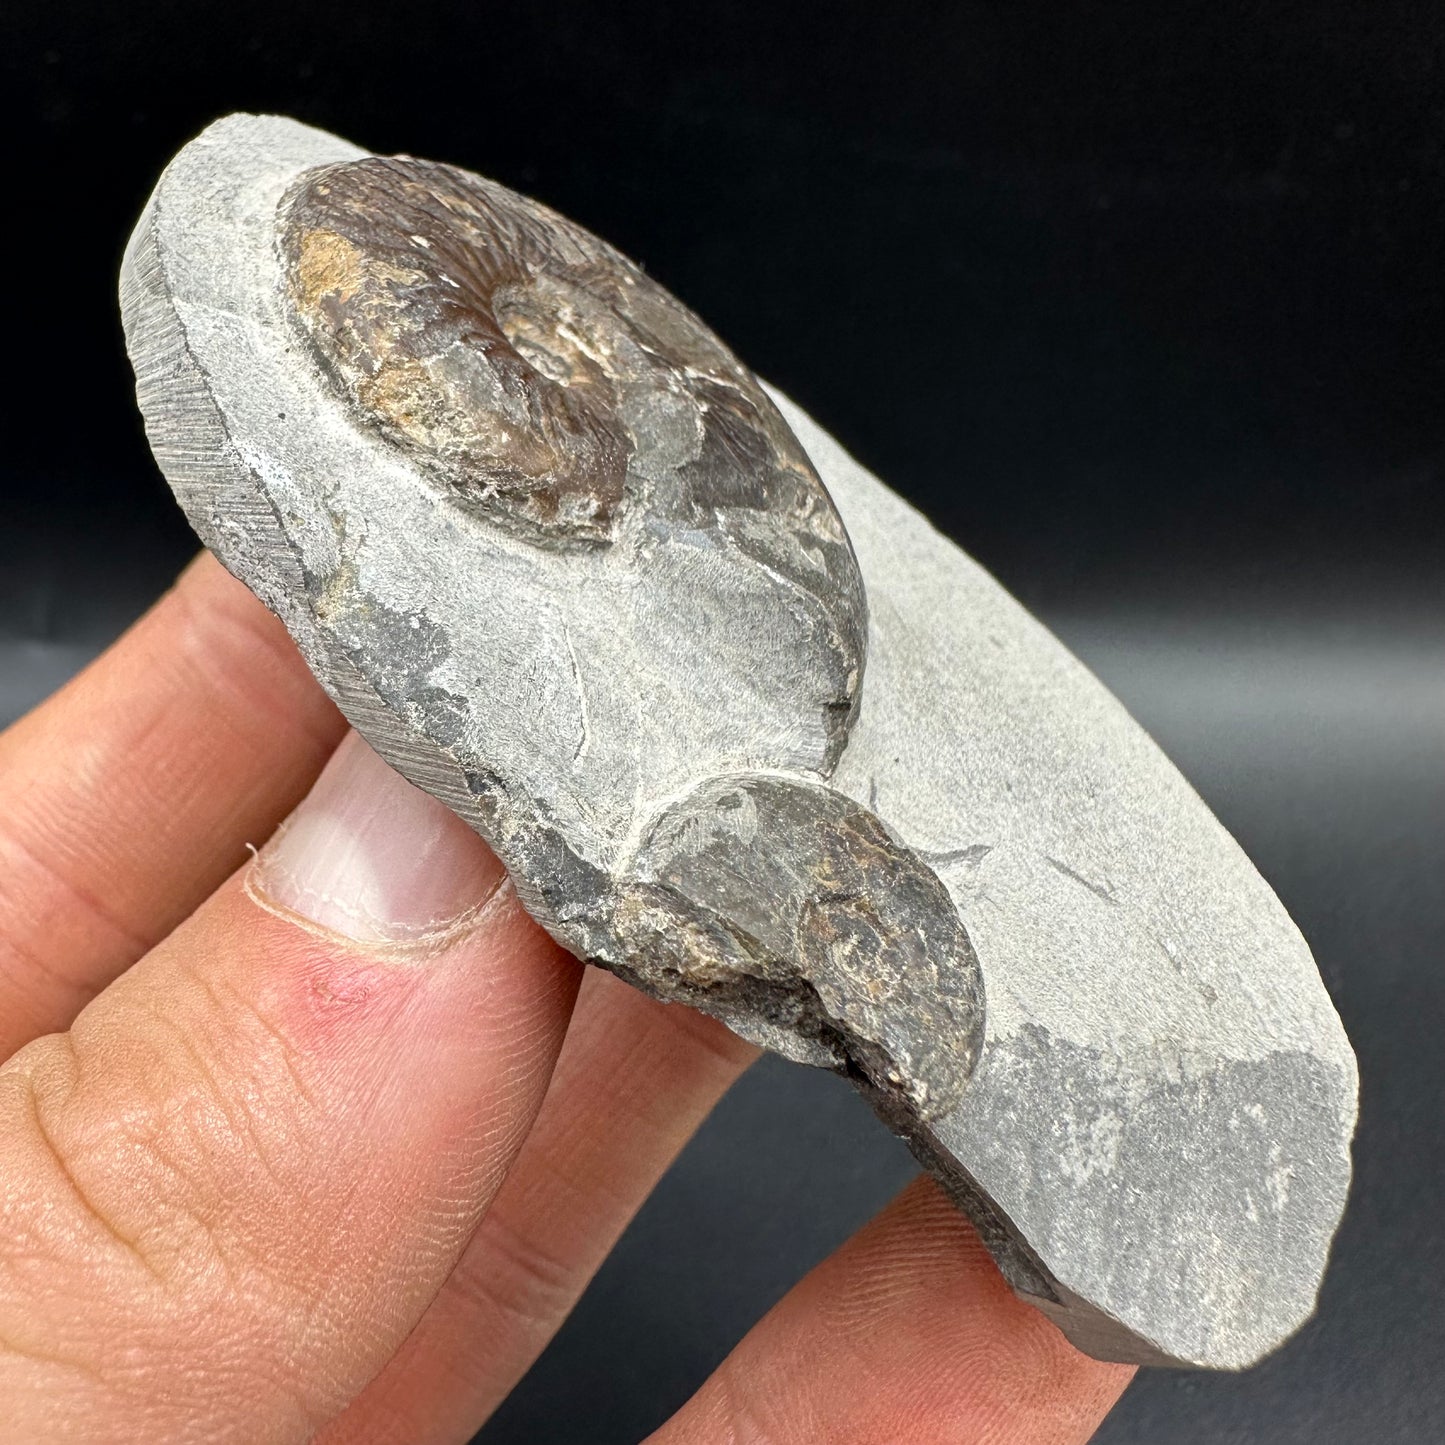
[[1146, 309]]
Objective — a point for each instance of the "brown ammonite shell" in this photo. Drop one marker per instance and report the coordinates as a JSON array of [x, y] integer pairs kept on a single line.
[[531, 366]]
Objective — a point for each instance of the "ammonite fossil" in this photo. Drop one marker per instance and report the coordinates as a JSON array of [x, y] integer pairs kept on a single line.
[[742, 726]]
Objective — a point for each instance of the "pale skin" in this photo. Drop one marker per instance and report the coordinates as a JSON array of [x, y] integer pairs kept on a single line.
[[279, 1163]]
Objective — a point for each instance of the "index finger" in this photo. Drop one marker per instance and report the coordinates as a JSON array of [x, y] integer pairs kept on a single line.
[[127, 797]]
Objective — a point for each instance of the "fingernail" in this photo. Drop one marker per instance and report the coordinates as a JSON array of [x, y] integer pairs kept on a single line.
[[369, 856]]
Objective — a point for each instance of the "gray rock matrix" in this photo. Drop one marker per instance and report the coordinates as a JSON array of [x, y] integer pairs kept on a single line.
[[743, 727]]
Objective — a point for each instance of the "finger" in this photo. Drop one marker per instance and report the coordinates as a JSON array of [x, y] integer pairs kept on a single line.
[[908, 1334], [634, 1081], [128, 796], [233, 1187]]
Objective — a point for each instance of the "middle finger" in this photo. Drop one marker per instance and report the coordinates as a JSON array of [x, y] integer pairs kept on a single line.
[[634, 1081]]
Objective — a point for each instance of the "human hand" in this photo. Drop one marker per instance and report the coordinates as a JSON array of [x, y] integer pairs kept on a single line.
[[327, 1145]]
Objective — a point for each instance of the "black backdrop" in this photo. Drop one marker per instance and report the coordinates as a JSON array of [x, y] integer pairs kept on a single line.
[[1142, 302]]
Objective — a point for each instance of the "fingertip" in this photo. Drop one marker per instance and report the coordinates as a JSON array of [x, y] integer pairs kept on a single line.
[[375, 859], [906, 1333]]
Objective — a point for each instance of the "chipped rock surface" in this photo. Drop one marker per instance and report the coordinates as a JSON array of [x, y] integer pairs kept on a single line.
[[745, 729]]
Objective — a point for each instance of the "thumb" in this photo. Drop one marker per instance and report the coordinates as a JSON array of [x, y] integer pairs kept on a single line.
[[228, 1193]]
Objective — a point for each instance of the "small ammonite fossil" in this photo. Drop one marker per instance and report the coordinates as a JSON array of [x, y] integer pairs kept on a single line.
[[742, 726]]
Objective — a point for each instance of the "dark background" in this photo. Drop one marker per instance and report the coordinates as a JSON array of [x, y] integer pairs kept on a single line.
[[1142, 302]]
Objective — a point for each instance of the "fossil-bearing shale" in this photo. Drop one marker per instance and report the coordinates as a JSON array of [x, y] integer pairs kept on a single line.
[[743, 727]]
